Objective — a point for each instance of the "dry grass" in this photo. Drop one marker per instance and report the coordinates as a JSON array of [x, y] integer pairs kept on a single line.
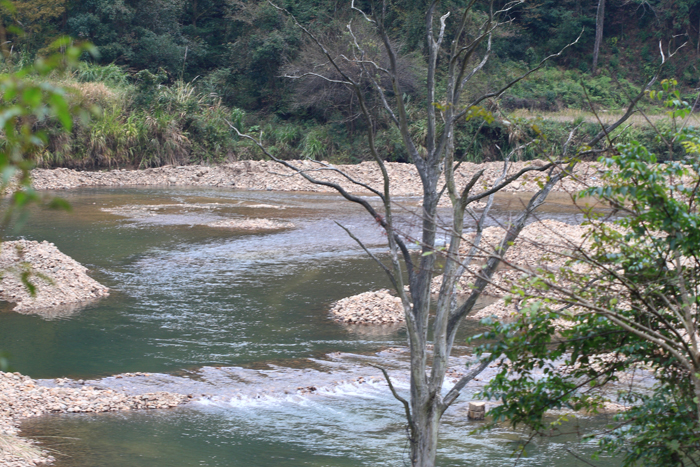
[[86, 94], [93, 93]]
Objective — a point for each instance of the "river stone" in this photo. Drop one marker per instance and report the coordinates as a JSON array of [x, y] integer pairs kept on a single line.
[[62, 284], [263, 175], [477, 410], [22, 397]]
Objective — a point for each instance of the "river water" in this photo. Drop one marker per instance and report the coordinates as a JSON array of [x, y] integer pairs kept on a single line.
[[239, 320]]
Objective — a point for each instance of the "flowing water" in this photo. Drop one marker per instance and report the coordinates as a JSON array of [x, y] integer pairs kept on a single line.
[[239, 320]]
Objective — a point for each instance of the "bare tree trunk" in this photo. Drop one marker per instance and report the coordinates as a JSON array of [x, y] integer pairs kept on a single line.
[[194, 13], [599, 22], [432, 158], [424, 448]]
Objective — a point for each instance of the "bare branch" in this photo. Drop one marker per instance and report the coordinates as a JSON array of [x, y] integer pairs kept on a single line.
[[370, 254], [473, 373], [480, 65], [396, 395], [349, 178], [510, 180], [378, 88], [468, 187], [494, 261], [633, 104], [367, 18], [517, 80], [317, 76]]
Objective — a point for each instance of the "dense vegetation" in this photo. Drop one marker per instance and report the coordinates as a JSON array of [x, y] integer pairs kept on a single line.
[[171, 72], [629, 303]]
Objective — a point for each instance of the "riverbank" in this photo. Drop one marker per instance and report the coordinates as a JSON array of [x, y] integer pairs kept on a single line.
[[542, 244], [266, 175], [22, 397]]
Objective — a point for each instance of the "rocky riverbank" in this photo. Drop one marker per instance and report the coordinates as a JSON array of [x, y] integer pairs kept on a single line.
[[22, 397], [60, 283], [265, 175], [542, 244]]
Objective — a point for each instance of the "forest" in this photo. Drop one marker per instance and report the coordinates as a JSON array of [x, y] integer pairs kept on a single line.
[[168, 74]]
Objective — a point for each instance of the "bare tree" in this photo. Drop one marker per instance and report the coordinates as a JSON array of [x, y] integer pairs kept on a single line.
[[324, 91], [433, 154], [599, 23]]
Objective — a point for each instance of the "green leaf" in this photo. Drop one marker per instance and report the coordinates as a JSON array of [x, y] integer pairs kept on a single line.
[[62, 112], [9, 6], [32, 97]]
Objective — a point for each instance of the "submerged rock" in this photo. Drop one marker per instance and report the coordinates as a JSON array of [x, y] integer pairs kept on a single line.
[[251, 224], [61, 284]]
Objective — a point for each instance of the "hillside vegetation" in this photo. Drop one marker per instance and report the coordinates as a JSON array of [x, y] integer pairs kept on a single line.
[[171, 73]]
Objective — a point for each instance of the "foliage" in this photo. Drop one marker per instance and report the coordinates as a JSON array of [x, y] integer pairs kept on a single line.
[[244, 45], [631, 306], [553, 89], [234, 53], [142, 121], [25, 105], [39, 20], [110, 75], [143, 124]]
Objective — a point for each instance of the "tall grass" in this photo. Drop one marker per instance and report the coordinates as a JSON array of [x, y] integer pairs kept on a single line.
[[111, 75], [140, 125], [140, 122]]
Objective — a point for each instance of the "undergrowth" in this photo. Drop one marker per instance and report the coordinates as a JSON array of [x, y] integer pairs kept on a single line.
[[140, 121]]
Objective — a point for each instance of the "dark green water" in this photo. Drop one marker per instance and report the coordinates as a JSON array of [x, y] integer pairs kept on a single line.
[[239, 320], [186, 296]]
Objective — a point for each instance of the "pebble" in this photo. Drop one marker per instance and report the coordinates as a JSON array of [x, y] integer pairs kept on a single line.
[[271, 176], [378, 307], [62, 284], [22, 397]]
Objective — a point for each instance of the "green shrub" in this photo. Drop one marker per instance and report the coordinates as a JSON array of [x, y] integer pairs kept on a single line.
[[555, 89], [111, 75]]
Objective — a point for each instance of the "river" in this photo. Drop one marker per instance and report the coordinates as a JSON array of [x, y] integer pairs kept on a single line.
[[239, 320]]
